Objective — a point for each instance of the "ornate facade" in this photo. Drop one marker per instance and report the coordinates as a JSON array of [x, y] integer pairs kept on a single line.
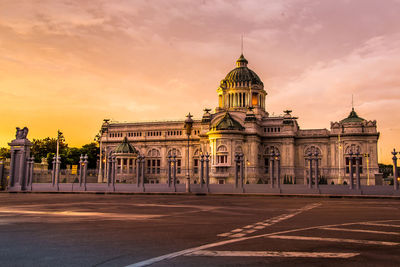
[[241, 124]]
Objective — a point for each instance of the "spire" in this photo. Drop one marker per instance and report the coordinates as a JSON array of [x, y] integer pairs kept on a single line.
[[241, 62], [241, 51], [352, 103]]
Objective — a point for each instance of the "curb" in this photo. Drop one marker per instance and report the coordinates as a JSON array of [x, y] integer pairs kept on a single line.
[[214, 194]]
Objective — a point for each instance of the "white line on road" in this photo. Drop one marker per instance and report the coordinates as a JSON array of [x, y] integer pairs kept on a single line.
[[261, 225], [360, 231], [282, 254], [115, 216], [380, 224], [217, 244], [340, 240]]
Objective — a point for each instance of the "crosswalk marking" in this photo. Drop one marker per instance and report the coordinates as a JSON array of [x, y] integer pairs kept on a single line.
[[360, 231], [328, 239], [272, 254], [261, 225], [380, 224]]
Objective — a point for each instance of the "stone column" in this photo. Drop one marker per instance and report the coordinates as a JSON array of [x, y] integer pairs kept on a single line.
[[310, 170], [316, 170], [208, 171], [241, 160], [109, 169], [138, 160], [113, 167], [357, 157], [57, 174], [174, 171], [80, 170], [85, 163], [351, 169], [142, 170], [278, 167], [236, 170], [2, 183], [11, 182], [271, 168], [53, 172], [20, 152], [395, 172], [169, 170], [31, 172], [201, 170]]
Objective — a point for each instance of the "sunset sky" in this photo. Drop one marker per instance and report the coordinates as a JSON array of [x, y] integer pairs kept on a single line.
[[69, 64]]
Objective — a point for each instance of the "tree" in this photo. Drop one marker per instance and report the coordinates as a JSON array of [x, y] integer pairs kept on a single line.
[[5, 152], [92, 151], [47, 148]]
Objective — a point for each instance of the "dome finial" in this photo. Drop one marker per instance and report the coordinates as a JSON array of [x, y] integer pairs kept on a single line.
[[242, 47]]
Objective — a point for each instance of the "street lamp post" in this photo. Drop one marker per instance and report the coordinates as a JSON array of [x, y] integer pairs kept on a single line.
[[188, 127]]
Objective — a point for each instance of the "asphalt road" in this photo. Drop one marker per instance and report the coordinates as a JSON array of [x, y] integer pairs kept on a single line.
[[184, 230]]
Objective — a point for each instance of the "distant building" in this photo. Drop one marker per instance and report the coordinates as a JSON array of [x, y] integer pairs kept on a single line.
[[241, 124]]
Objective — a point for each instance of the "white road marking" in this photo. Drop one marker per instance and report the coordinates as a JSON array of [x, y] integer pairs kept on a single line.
[[328, 239], [216, 244], [82, 214], [237, 235], [272, 254], [224, 234], [360, 231], [268, 222], [380, 224]]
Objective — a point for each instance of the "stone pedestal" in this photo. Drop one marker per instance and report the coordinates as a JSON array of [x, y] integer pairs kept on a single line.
[[20, 152]]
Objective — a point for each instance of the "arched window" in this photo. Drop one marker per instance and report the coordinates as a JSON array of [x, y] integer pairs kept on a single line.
[[177, 153], [222, 155], [153, 161], [354, 149]]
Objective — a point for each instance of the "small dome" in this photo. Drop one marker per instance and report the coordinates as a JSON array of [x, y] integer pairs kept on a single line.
[[125, 148], [242, 74], [353, 117]]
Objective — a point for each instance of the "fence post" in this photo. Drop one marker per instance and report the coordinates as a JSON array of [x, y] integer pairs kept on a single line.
[[174, 171], [113, 163], [169, 170], [207, 172], [57, 174], [31, 172], [80, 170], [395, 171], [316, 170], [236, 170], [351, 168], [53, 172], [143, 163], [201, 170], [85, 167], [357, 157], [138, 159], [2, 183], [271, 168], [310, 170], [278, 166]]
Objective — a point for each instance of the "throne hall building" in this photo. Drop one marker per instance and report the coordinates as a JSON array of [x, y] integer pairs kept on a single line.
[[241, 124]]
